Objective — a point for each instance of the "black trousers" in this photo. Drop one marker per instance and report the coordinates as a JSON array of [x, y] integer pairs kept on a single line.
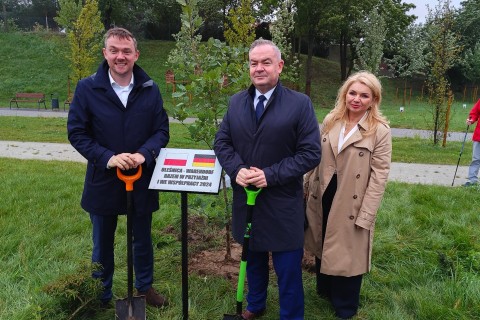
[[342, 292]]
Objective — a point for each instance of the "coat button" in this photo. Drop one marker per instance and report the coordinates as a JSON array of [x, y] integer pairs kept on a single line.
[[358, 176], [355, 197], [361, 154], [324, 139], [351, 217]]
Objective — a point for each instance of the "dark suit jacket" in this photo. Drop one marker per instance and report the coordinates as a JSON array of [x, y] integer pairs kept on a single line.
[[99, 126], [285, 144]]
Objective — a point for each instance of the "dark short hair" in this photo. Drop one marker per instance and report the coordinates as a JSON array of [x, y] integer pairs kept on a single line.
[[121, 34]]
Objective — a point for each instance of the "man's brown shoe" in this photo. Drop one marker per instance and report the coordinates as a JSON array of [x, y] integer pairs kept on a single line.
[[153, 298], [248, 315]]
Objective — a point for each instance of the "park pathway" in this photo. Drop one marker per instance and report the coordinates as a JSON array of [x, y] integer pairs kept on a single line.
[[401, 172]]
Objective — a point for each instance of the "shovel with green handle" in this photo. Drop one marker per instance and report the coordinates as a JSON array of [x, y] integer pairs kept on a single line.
[[252, 193]]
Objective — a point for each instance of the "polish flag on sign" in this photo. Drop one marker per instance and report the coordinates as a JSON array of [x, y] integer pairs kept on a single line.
[[176, 159], [204, 160]]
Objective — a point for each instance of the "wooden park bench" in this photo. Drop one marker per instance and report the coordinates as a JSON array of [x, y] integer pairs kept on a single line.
[[30, 97]]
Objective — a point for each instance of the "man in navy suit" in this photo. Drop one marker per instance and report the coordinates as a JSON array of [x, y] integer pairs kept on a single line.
[[270, 138], [117, 120]]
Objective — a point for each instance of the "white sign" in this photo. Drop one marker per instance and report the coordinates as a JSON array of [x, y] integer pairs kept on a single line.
[[186, 170]]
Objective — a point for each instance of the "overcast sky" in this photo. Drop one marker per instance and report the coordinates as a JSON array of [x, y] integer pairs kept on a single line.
[[421, 10]]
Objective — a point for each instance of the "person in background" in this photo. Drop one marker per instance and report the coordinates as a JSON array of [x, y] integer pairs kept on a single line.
[[344, 192], [475, 164], [269, 138], [117, 120]]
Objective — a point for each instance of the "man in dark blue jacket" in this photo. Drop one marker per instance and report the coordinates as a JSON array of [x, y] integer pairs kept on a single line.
[[269, 138], [117, 119]]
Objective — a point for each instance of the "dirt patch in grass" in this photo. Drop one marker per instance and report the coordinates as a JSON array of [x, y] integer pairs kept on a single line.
[[208, 254]]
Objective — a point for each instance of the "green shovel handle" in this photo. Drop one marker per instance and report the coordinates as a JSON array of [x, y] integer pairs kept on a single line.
[[252, 193]]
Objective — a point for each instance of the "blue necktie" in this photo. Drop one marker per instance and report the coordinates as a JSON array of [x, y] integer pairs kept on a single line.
[[260, 107]]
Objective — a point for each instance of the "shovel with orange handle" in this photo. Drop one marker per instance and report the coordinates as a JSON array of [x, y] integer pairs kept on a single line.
[[130, 308]]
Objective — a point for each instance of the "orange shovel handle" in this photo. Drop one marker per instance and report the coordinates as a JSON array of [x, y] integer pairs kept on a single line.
[[129, 180]]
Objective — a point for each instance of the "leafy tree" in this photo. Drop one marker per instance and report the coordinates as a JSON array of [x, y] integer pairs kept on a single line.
[[212, 72], [187, 42], [8, 21], [85, 40], [340, 25], [282, 33], [369, 48], [239, 29], [163, 19], [7, 5], [471, 64], [397, 23], [445, 49], [309, 25], [410, 59], [46, 7], [152, 19], [466, 24], [68, 13], [214, 14], [342, 22]]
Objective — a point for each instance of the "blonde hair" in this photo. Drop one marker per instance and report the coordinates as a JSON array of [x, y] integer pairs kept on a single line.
[[339, 112]]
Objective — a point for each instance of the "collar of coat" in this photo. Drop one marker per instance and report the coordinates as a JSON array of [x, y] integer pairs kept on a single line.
[[101, 79], [278, 88], [334, 135]]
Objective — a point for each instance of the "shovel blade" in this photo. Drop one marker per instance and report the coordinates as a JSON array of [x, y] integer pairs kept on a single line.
[[134, 309], [232, 317]]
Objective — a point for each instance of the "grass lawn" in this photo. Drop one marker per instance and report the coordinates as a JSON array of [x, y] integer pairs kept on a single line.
[[426, 258]]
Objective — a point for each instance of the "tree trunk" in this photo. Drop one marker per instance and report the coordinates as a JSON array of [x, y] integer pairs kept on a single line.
[[107, 16], [5, 23], [436, 123], [46, 21], [349, 62], [228, 219], [447, 118], [308, 73], [343, 57]]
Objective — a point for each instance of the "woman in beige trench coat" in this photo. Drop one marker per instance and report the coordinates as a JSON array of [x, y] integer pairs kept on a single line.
[[345, 191]]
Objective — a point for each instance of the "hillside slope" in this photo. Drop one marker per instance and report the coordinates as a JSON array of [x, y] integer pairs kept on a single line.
[[36, 62]]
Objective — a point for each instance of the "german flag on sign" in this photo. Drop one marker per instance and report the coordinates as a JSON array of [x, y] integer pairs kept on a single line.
[[204, 160]]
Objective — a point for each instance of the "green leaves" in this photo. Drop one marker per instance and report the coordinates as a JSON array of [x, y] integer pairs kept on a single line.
[[207, 74], [85, 40], [239, 28], [445, 50], [370, 47]]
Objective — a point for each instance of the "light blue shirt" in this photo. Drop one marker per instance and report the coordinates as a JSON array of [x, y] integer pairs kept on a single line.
[[267, 95]]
